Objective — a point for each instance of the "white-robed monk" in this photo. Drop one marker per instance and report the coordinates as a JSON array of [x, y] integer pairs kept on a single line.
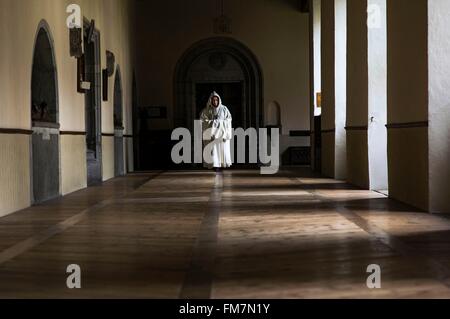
[[217, 133]]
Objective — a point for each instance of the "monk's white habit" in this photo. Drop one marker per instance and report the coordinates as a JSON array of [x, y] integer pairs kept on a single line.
[[217, 134]]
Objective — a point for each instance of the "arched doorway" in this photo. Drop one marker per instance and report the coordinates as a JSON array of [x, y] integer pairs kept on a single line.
[[224, 65], [93, 106], [118, 125], [44, 117]]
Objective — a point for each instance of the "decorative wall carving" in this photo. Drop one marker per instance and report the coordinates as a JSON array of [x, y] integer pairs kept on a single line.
[[222, 25], [217, 61]]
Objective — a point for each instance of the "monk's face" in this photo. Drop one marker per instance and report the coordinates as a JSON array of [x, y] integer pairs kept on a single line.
[[215, 101]]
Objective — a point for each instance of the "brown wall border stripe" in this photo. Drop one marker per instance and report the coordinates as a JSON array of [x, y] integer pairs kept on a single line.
[[333, 130], [357, 128], [407, 125], [299, 133], [15, 131], [72, 133], [108, 134]]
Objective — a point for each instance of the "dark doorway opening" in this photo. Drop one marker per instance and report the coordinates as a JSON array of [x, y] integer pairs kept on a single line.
[[220, 63], [44, 117], [119, 168], [224, 65], [93, 108]]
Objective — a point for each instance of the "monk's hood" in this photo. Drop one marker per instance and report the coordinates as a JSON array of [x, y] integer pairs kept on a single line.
[[210, 100]]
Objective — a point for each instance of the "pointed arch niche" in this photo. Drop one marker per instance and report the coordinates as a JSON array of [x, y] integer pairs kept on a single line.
[[45, 140]]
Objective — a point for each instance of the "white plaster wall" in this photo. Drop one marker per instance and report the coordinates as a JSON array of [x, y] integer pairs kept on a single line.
[[108, 157], [317, 53], [439, 105], [377, 81], [14, 172], [73, 163], [340, 88], [408, 101], [19, 20]]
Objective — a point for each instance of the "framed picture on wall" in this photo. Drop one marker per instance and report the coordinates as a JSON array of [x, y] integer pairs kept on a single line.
[[319, 100]]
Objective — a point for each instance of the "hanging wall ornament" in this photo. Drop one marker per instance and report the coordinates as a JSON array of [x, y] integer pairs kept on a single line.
[[76, 42], [222, 23], [108, 72], [110, 63], [90, 32]]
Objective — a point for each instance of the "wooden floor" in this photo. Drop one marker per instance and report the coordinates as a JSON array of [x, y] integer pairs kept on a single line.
[[241, 235]]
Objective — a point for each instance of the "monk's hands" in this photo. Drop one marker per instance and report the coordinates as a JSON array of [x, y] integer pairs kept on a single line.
[[213, 138]]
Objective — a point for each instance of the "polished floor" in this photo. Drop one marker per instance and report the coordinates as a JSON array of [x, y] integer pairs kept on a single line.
[[195, 234]]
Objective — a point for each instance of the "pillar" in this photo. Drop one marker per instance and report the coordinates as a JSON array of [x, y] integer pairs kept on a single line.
[[316, 80], [407, 98], [439, 105], [357, 94], [334, 35], [366, 94]]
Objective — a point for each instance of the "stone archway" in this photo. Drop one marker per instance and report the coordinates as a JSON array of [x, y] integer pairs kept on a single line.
[[45, 139], [118, 125], [217, 62]]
